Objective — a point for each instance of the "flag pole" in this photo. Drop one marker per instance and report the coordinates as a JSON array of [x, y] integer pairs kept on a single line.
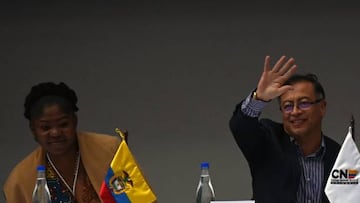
[[352, 125], [122, 134]]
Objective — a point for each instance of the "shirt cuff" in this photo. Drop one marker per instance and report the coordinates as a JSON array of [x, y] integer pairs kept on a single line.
[[252, 107]]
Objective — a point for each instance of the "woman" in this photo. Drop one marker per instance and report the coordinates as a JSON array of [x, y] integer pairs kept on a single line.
[[76, 162]]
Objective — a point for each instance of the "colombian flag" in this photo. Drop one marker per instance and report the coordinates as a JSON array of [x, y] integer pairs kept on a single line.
[[352, 174], [124, 182]]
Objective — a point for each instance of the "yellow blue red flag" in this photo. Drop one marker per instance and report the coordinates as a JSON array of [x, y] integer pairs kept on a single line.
[[124, 182]]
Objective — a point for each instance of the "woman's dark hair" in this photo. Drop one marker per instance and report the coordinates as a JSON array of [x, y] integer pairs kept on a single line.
[[49, 93]]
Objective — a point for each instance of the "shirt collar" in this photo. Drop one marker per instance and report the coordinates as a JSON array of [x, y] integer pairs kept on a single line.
[[317, 153]]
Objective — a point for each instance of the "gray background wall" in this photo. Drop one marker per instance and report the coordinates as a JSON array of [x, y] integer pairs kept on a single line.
[[171, 73]]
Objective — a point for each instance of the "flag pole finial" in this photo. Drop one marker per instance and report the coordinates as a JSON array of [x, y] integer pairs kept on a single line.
[[122, 134], [352, 126]]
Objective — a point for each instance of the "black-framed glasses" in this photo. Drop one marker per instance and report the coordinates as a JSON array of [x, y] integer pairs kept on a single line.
[[302, 105]]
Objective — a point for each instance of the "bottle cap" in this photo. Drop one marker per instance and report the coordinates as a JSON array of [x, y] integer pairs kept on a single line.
[[41, 168], [205, 165]]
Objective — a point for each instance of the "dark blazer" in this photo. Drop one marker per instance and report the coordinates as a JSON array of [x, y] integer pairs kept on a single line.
[[272, 158]]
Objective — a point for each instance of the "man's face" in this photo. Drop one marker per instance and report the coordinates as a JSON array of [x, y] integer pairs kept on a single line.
[[304, 119], [55, 130]]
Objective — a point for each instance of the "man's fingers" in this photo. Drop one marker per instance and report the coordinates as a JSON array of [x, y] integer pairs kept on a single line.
[[282, 79], [267, 63], [279, 64], [287, 66], [285, 88], [290, 72]]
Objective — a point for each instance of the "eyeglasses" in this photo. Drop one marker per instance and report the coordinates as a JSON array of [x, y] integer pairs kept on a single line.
[[303, 105]]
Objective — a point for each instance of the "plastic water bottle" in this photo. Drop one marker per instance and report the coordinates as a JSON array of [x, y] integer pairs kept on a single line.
[[41, 192], [205, 192]]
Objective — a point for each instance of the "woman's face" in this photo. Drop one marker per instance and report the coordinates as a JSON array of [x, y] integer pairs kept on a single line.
[[55, 130]]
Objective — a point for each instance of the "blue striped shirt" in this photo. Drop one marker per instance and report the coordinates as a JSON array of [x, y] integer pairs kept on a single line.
[[312, 167], [312, 175]]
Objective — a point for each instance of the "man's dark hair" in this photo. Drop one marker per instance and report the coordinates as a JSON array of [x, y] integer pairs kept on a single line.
[[309, 77], [47, 93]]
